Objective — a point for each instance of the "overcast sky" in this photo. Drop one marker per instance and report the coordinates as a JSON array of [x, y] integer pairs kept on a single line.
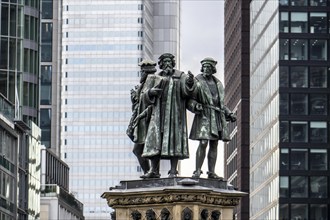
[[201, 36], [201, 33]]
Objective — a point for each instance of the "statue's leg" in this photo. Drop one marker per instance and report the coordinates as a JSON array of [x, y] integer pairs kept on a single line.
[[212, 159], [200, 156], [174, 164], [144, 162], [154, 169]]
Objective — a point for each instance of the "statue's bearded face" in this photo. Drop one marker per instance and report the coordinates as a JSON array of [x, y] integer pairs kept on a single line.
[[167, 64], [207, 69]]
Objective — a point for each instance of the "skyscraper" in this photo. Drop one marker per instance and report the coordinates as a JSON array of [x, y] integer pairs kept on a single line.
[[237, 97], [289, 112], [19, 93], [103, 42]]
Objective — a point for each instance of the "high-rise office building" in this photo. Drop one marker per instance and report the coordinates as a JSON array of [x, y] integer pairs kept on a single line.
[[102, 44], [289, 111], [237, 97], [19, 89]]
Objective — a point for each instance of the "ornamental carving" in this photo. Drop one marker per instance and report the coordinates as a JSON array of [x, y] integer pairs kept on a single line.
[[171, 198]]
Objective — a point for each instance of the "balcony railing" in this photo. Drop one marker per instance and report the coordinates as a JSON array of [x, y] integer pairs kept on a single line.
[[7, 108]]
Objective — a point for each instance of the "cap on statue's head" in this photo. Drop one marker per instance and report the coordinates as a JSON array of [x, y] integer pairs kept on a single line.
[[166, 55], [209, 60]]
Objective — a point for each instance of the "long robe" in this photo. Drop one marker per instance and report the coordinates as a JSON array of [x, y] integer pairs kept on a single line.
[[167, 134], [211, 123]]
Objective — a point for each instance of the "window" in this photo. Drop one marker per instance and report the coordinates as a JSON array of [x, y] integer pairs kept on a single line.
[[284, 104], [299, 187], [318, 104], [318, 132], [299, 104], [284, 131], [299, 159], [284, 159], [318, 49], [318, 159], [298, 49], [299, 132], [299, 211], [318, 22], [318, 211], [299, 2], [318, 77], [318, 187], [298, 77], [284, 186], [284, 49], [284, 22], [298, 22], [318, 2], [284, 76]]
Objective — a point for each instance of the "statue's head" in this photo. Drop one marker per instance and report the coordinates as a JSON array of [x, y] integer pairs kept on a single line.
[[166, 61], [208, 64], [147, 67]]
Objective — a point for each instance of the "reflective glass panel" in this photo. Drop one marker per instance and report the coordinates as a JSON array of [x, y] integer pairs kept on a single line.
[[299, 2], [318, 159], [284, 49], [318, 104], [298, 49], [284, 186], [318, 77], [318, 211], [298, 22], [299, 211], [299, 104], [318, 49], [318, 22], [284, 131], [299, 76], [299, 131], [284, 159], [284, 76], [284, 22], [318, 2], [299, 159], [284, 104], [318, 187], [299, 186], [318, 132]]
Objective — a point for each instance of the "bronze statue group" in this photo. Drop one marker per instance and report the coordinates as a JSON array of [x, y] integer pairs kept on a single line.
[[158, 126]]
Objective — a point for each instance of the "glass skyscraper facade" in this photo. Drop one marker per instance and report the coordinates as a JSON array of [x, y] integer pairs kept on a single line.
[[289, 113], [102, 44]]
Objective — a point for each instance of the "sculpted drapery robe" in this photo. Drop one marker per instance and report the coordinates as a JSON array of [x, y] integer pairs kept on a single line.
[[167, 134], [211, 123]]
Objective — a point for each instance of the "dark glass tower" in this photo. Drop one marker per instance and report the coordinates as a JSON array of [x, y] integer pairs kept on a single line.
[[237, 81], [289, 112]]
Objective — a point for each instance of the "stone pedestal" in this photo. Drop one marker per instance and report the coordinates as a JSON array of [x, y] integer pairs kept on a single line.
[[173, 198]]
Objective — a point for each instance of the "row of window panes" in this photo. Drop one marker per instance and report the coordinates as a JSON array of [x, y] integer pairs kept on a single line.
[[303, 211], [304, 132], [8, 86], [98, 101], [303, 159], [30, 94], [95, 115], [11, 24], [303, 49], [96, 128], [303, 104], [103, 34], [32, 3], [8, 145], [103, 47], [31, 28], [94, 88], [304, 2], [104, 7], [47, 9], [102, 61], [11, 49], [120, 156], [104, 21], [110, 141], [303, 76], [304, 22], [102, 74], [304, 186], [31, 61]]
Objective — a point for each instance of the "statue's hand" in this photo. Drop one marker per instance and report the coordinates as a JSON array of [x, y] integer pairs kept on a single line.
[[232, 117], [155, 92]]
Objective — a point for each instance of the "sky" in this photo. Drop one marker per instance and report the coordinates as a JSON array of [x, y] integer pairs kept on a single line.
[[202, 35]]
